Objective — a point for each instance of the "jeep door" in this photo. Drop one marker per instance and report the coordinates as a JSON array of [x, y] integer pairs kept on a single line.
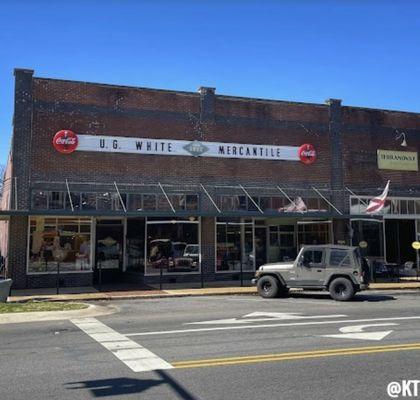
[[311, 267]]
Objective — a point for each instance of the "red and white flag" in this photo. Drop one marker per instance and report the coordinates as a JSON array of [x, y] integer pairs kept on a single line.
[[377, 203]]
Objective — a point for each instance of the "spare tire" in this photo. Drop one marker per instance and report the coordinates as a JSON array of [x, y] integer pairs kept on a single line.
[[268, 287], [341, 289]]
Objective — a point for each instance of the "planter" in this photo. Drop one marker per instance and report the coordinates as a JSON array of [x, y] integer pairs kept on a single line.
[[5, 285]]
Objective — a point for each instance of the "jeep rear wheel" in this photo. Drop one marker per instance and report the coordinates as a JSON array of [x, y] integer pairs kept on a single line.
[[341, 289], [268, 287]]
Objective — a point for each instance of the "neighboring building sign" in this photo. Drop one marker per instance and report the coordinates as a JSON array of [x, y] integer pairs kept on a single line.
[[66, 141], [397, 160]]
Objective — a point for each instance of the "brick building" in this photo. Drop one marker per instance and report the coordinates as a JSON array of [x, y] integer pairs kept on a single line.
[[127, 184]]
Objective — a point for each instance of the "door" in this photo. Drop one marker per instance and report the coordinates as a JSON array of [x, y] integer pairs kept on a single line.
[[400, 233], [109, 251], [311, 267], [260, 246]]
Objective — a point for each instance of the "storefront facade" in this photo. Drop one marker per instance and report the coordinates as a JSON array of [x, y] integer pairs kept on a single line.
[[123, 184]]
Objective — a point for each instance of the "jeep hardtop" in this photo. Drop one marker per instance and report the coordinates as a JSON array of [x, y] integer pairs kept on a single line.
[[341, 270]]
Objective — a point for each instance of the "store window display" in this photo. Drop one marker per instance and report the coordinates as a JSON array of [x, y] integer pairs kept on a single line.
[[64, 240]]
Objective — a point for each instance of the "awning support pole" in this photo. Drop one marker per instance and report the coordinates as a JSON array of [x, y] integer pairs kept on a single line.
[[287, 197], [331, 204], [211, 199], [68, 192], [166, 196], [250, 198], [354, 194], [119, 195]]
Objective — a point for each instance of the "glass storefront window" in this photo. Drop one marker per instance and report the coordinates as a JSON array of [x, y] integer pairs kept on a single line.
[[64, 240], [313, 233], [282, 245], [173, 246], [234, 246]]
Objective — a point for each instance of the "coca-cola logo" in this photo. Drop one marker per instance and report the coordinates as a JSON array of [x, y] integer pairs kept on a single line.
[[307, 153], [65, 141]]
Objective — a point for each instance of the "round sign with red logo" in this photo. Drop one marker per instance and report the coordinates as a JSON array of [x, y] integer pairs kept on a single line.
[[65, 141], [307, 153]]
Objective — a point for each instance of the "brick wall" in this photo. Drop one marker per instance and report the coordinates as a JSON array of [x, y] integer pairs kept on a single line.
[[107, 110], [365, 131], [18, 240]]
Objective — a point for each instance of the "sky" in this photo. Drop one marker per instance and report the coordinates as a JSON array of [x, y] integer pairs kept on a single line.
[[363, 52]]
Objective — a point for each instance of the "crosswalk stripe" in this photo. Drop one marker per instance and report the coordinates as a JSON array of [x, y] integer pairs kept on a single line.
[[132, 354]]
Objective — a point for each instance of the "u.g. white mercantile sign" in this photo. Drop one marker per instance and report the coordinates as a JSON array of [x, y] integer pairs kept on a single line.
[[66, 141]]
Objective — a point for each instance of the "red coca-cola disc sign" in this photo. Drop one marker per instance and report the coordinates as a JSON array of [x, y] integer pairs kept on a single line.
[[65, 141], [307, 153]]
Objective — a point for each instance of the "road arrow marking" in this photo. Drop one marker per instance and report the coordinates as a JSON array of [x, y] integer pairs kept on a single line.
[[263, 316], [356, 332], [269, 326]]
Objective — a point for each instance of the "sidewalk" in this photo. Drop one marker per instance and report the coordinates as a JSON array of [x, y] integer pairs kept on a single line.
[[92, 294]]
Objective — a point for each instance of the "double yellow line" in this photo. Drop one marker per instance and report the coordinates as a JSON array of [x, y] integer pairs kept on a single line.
[[295, 356]]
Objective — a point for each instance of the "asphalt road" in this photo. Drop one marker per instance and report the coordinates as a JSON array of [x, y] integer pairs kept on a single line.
[[225, 347]]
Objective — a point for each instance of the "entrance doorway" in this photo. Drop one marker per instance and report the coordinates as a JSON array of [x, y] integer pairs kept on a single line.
[[235, 245], [400, 233], [260, 246], [109, 251]]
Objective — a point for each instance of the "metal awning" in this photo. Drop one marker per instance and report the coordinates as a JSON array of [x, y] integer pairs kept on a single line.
[[208, 191]]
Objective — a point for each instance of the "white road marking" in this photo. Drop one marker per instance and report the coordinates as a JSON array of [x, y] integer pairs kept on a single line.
[[227, 328], [356, 332], [263, 316], [132, 354]]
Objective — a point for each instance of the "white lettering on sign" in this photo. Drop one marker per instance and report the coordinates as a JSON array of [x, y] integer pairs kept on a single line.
[[117, 144]]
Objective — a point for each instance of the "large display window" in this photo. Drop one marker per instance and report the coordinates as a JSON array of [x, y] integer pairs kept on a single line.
[[173, 246], [282, 243], [235, 245], [314, 232], [59, 240]]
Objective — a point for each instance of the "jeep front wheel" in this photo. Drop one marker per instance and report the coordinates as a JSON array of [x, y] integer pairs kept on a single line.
[[268, 287], [341, 289]]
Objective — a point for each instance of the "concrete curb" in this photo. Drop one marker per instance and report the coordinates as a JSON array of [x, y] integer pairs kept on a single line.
[[414, 286], [39, 316]]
